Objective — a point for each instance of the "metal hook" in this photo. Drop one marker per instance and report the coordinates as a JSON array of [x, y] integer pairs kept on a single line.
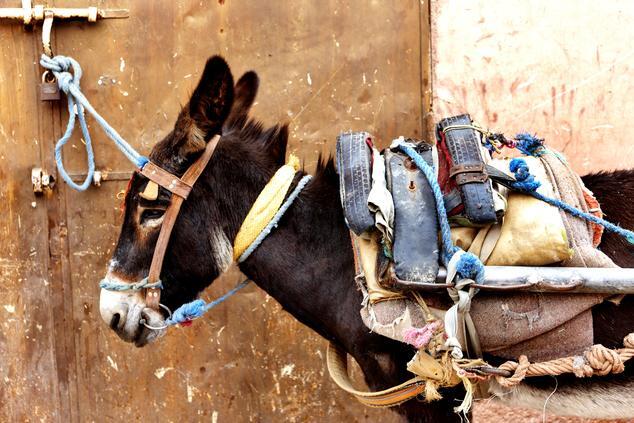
[[144, 322]]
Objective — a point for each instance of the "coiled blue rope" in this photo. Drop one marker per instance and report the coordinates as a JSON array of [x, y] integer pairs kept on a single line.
[[69, 83], [525, 182], [469, 265]]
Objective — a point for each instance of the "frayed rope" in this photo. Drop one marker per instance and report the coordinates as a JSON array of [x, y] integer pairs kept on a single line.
[[529, 144]]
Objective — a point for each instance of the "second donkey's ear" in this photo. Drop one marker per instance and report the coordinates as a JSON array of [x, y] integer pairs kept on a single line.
[[245, 91], [212, 99]]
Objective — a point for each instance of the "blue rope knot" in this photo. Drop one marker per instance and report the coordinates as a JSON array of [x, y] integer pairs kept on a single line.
[[524, 180], [194, 309], [530, 144], [187, 312], [61, 66]]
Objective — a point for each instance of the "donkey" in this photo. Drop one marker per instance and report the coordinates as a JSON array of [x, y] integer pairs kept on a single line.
[[307, 262]]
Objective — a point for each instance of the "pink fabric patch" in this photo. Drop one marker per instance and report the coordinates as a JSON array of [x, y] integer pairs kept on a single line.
[[420, 337]]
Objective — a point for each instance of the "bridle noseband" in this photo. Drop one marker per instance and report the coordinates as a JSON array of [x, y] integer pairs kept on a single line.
[[180, 189]]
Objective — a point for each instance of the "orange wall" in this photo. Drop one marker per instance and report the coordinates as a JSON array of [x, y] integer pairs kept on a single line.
[[558, 68]]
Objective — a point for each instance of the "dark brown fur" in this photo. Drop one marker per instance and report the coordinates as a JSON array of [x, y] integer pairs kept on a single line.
[[306, 264]]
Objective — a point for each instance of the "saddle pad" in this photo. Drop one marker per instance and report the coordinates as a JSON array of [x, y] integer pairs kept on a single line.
[[542, 327]]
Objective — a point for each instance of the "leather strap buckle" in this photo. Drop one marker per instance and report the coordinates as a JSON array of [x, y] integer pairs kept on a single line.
[[469, 173]]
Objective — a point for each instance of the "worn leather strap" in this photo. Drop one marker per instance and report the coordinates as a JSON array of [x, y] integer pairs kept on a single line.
[[163, 178], [337, 363], [468, 173], [170, 182]]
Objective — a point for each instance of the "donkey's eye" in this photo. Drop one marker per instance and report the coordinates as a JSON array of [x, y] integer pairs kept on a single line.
[[149, 215]]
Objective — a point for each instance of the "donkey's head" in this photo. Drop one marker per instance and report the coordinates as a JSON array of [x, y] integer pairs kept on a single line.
[[200, 247]]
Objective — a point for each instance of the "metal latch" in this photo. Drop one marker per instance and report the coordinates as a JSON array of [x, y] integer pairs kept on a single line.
[[41, 180], [28, 14]]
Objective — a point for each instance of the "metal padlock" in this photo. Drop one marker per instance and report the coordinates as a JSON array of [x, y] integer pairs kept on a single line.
[[49, 90]]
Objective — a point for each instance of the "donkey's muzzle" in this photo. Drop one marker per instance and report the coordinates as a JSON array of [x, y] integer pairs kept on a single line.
[[123, 312]]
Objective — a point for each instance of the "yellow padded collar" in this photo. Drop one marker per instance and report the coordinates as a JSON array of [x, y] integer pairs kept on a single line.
[[266, 205]]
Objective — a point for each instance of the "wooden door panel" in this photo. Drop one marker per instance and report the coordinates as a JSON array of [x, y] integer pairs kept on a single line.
[[28, 369], [325, 67]]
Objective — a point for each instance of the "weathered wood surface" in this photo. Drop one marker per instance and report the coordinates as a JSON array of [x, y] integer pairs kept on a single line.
[[325, 67]]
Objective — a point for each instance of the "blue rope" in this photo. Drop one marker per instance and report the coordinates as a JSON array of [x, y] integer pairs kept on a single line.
[[273, 223], [190, 311], [112, 285], [469, 266], [529, 144], [526, 183], [77, 104]]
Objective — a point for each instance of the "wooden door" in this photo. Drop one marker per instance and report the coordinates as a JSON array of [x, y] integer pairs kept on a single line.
[[325, 67]]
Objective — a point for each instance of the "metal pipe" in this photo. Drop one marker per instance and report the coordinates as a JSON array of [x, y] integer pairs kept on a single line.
[[582, 280]]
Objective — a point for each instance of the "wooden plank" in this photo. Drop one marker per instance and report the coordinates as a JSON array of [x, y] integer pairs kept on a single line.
[[325, 67], [30, 388]]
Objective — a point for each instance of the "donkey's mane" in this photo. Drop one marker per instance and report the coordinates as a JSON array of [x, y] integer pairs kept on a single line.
[[253, 132]]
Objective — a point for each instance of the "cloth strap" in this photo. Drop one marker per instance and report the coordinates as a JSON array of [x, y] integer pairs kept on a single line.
[[337, 362]]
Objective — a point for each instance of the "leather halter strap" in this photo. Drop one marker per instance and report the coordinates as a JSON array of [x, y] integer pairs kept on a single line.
[[180, 189]]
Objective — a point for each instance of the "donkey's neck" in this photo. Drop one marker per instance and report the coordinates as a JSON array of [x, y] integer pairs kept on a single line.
[[307, 263]]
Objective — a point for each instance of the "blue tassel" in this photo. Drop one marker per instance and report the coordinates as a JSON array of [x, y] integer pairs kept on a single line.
[[470, 267], [530, 144]]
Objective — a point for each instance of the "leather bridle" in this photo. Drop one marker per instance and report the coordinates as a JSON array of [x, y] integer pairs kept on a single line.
[[180, 189]]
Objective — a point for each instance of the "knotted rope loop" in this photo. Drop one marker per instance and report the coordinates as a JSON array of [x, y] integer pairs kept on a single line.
[[595, 361], [69, 83], [519, 370], [603, 360]]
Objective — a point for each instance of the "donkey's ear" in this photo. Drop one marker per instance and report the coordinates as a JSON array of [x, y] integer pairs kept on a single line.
[[245, 91], [212, 99]]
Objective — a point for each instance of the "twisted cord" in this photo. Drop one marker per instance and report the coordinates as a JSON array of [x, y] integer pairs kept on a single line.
[[595, 361]]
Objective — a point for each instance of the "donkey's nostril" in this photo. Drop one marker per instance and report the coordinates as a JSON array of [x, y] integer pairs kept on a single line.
[[115, 321]]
